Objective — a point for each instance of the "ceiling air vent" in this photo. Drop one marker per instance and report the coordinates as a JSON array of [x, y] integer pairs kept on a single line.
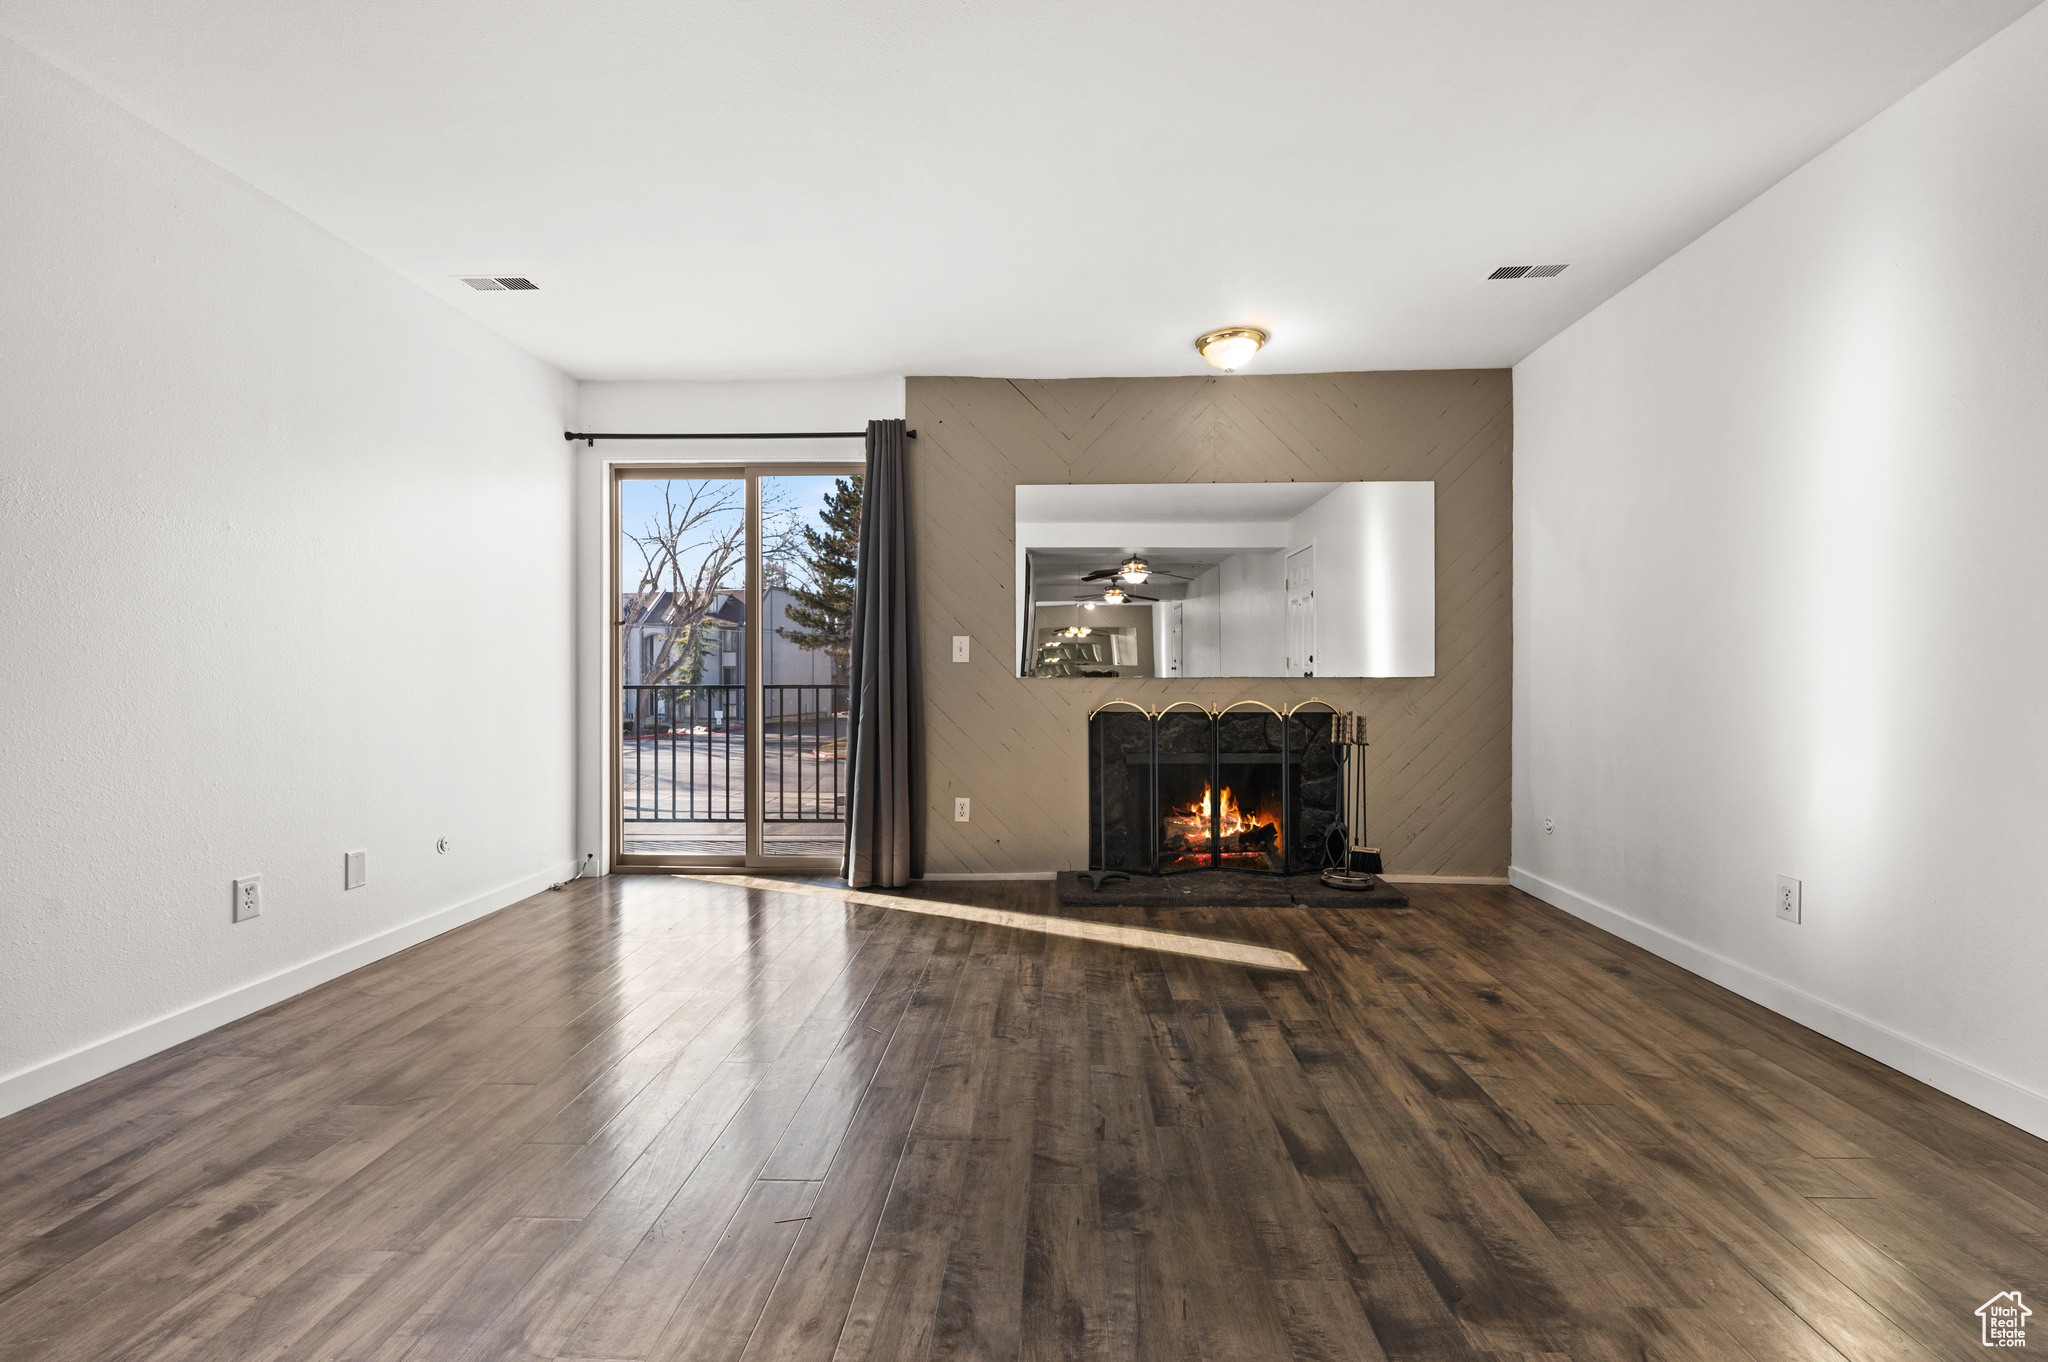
[[1528, 271], [483, 284]]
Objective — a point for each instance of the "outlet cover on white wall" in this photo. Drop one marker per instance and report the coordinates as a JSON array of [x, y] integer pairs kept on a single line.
[[248, 898], [355, 870], [1788, 898]]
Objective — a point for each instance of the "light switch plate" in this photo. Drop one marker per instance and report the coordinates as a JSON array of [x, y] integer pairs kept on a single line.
[[1788, 898], [355, 870], [248, 898], [960, 647]]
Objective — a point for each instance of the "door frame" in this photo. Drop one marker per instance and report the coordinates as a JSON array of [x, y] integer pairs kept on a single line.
[[753, 770]]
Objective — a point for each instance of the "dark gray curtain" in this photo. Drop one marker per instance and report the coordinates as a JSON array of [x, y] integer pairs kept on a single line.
[[885, 718]]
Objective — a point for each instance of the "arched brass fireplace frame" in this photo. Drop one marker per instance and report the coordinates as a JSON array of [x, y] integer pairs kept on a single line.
[[1130, 748]]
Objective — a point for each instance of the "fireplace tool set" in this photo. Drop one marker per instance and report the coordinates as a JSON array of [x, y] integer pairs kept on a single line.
[[1352, 864]]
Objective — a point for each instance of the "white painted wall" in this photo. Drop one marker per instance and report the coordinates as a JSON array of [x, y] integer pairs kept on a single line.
[[1778, 592], [1254, 613], [825, 404], [287, 548], [1375, 577], [1201, 629]]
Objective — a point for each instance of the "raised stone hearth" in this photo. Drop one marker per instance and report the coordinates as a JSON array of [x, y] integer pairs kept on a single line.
[[1221, 889]]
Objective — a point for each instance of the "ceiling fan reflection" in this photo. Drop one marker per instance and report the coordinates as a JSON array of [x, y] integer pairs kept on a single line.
[[1114, 595], [1133, 570]]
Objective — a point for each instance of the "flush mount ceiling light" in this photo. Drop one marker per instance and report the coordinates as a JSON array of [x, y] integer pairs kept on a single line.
[[1229, 348]]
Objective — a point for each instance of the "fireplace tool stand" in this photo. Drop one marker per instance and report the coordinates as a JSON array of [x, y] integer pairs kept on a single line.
[[1352, 864]]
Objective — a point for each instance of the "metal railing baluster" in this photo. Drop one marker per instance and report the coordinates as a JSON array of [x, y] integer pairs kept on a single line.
[[696, 726]]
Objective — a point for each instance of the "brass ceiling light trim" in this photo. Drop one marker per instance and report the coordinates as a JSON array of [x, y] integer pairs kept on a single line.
[[1230, 348]]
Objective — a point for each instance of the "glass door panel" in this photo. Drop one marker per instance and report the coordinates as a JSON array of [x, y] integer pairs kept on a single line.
[[735, 591], [682, 556], [810, 531]]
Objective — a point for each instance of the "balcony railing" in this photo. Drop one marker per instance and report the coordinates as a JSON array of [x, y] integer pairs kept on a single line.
[[685, 753]]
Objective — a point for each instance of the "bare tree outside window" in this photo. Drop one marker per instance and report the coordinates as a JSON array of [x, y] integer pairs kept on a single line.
[[692, 548]]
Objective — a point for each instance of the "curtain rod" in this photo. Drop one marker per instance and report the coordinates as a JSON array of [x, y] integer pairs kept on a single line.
[[594, 437]]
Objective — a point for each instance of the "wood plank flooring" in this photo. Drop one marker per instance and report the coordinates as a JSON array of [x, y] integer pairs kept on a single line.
[[649, 1118]]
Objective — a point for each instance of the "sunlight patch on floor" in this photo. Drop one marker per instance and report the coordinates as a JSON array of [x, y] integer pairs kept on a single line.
[[1137, 938]]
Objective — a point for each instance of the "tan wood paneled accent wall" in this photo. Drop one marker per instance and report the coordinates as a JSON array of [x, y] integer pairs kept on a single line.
[[1438, 773]]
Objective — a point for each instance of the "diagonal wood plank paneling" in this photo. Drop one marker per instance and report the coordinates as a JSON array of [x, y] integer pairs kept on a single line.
[[1439, 761]]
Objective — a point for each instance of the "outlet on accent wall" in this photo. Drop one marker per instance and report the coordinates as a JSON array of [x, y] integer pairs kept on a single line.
[[1788, 898], [960, 810]]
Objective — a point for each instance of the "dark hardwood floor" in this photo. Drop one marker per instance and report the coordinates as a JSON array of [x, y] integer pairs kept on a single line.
[[653, 1118]]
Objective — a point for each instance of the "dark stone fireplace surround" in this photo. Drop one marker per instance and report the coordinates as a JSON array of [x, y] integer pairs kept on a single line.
[[1148, 772]]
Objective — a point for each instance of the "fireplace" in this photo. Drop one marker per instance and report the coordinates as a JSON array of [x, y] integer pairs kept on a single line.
[[1249, 788]]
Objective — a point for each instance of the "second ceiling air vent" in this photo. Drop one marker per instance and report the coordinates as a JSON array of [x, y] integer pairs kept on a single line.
[[1528, 271], [486, 284]]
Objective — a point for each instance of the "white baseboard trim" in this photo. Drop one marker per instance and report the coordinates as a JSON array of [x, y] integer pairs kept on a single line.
[[40, 1082], [991, 875], [1986, 1091], [1445, 879]]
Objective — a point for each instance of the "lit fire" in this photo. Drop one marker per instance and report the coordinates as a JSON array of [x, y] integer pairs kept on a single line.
[[1246, 835]]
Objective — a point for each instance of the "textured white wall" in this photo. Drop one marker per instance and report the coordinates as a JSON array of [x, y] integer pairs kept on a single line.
[[1253, 606], [824, 404], [1375, 578], [1778, 592], [287, 570]]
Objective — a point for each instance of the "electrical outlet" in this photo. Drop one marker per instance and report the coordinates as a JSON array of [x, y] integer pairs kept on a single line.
[[1548, 827], [960, 647], [248, 898], [1788, 898], [355, 870], [960, 810], [442, 846]]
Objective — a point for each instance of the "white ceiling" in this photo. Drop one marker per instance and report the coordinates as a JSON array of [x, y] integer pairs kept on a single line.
[[1025, 189]]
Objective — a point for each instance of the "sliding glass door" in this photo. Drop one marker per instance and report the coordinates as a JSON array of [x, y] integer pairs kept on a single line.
[[735, 592]]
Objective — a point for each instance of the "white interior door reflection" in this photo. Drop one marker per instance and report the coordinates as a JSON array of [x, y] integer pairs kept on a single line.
[[1301, 613]]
